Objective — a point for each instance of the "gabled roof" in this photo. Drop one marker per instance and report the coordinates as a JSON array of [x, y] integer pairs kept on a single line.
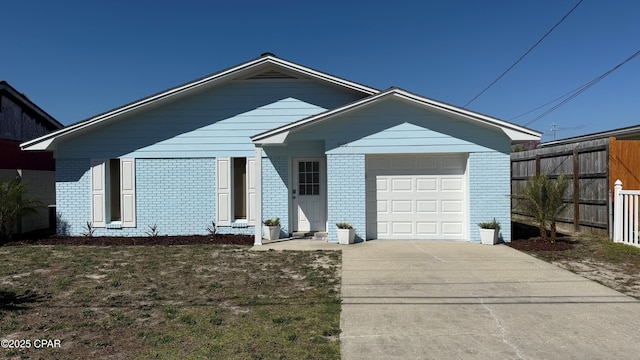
[[20, 98], [515, 132], [265, 66]]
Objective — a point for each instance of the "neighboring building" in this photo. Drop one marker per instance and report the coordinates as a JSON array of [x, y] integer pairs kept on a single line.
[[270, 138], [22, 120], [594, 162]]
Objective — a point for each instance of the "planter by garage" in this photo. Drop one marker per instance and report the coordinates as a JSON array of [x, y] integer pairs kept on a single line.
[[489, 236], [346, 236], [489, 231]]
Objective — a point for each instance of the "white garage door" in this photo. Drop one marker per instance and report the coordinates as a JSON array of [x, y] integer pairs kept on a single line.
[[416, 196]]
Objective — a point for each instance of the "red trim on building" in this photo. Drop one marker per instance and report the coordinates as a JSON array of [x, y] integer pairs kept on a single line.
[[11, 157]]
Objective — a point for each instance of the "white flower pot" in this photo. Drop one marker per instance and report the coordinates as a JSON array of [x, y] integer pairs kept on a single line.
[[346, 236], [489, 236], [271, 232]]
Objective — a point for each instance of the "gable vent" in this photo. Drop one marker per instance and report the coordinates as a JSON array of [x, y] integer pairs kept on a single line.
[[271, 74]]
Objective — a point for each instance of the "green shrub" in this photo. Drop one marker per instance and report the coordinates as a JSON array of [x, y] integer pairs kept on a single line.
[[543, 199], [13, 206]]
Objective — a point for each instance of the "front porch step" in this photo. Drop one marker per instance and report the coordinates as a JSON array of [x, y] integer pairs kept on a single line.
[[318, 235]]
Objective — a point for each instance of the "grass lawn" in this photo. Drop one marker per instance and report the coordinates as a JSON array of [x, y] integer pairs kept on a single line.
[[182, 302]]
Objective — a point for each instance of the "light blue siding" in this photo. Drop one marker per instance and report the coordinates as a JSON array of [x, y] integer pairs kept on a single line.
[[73, 195], [489, 192], [275, 196], [176, 195], [310, 148], [215, 122], [393, 126], [346, 193]]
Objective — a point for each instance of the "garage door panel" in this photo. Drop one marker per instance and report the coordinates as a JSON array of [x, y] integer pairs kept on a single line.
[[452, 184], [382, 184], [427, 228], [452, 207], [426, 206], [402, 228], [383, 229], [401, 184], [426, 184], [452, 228], [402, 206], [416, 197], [383, 207]]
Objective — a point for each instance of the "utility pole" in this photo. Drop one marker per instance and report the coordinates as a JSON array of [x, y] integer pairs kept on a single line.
[[554, 128]]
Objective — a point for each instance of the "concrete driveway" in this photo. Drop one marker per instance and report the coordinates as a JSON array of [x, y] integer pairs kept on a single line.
[[441, 300]]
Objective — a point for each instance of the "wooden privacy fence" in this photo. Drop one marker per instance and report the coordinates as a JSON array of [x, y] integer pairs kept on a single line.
[[625, 215], [593, 166], [587, 165]]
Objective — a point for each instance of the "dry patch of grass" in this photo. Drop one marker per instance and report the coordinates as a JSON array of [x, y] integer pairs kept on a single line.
[[612, 264], [202, 301]]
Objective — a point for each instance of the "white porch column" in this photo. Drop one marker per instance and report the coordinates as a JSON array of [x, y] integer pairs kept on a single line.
[[258, 201]]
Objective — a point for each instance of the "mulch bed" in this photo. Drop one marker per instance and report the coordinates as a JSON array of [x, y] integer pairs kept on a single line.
[[221, 239], [537, 244], [527, 238]]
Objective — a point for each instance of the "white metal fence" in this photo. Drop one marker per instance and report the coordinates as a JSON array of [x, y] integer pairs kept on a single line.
[[625, 215]]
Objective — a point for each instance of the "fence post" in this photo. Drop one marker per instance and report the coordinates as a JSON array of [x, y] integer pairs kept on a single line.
[[617, 212]]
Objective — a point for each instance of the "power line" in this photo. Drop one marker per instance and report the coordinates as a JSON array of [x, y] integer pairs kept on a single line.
[[523, 56], [579, 90], [547, 103]]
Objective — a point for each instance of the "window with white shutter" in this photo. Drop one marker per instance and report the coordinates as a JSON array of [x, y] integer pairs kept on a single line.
[[113, 193], [235, 191]]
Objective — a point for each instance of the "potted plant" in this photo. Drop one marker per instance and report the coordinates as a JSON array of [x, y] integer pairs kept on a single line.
[[346, 233], [272, 229], [489, 231]]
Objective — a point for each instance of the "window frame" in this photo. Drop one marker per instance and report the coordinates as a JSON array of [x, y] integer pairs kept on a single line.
[[101, 193]]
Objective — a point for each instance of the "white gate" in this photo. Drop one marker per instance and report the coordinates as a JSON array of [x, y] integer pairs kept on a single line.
[[625, 215]]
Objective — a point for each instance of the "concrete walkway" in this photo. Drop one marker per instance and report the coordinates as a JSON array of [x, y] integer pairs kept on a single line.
[[442, 300]]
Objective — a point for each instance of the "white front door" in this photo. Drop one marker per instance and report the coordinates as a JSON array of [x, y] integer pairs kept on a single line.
[[309, 194]]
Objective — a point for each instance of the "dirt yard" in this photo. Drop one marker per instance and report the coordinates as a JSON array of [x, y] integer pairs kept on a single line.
[[614, 265]]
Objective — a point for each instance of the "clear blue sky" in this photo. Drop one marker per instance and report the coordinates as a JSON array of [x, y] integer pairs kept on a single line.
[[76, 59]]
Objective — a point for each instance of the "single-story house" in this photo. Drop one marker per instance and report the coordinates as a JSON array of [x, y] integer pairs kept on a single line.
[[21, 120], [271, 138]]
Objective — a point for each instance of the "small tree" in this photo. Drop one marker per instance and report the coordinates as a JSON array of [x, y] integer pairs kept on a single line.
[[13, 206], [543, 199], [532, 202], [556, 191]]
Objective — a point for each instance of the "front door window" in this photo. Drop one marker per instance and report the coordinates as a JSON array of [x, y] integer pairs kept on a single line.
[[309, 178]]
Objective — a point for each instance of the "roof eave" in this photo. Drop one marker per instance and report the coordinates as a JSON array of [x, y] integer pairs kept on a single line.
[[166, 95], [514, 132]]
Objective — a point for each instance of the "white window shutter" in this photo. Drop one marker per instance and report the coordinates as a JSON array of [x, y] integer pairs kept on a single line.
[[98, 193], [128, 192], [223, 191], [251, 191]]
